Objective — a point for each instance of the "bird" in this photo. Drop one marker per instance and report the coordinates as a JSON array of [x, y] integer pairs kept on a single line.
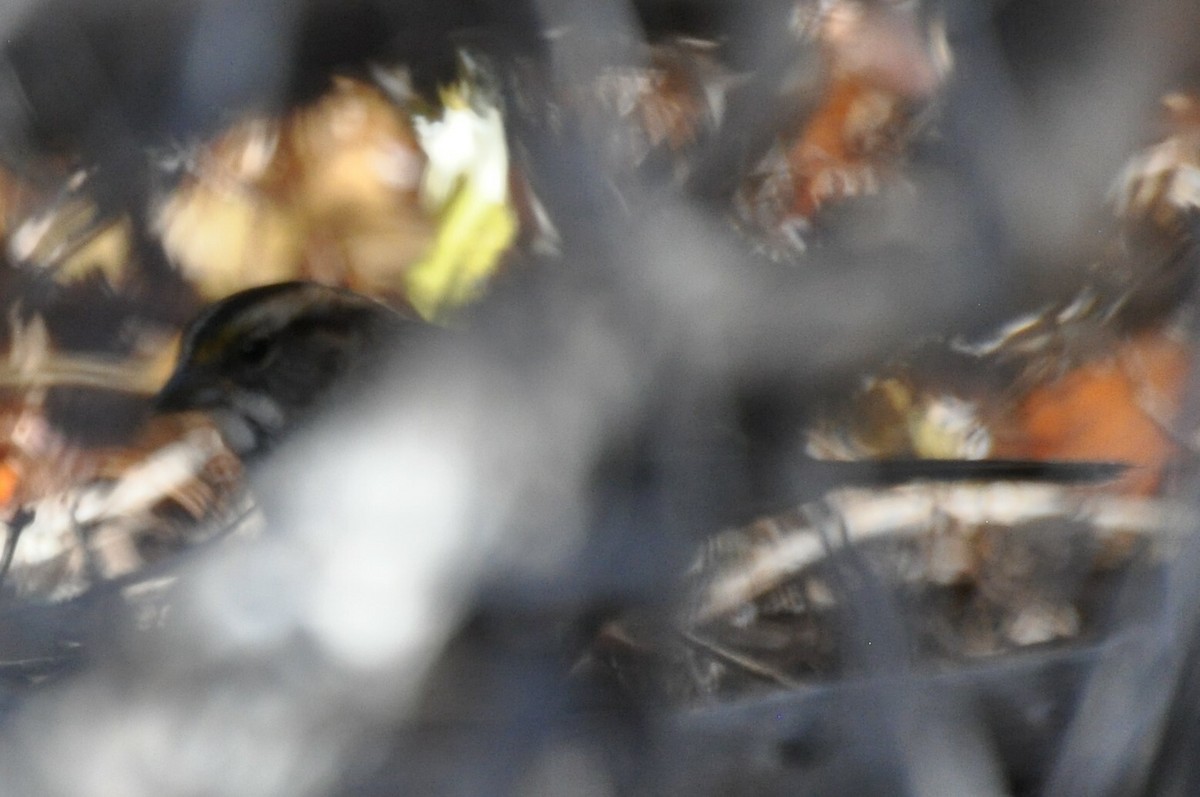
[[264, 360]]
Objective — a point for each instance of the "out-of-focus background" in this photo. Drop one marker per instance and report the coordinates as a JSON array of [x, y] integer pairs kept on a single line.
[[594, 539]]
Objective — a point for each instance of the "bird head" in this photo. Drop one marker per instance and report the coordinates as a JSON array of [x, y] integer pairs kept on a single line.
[[261, 360]]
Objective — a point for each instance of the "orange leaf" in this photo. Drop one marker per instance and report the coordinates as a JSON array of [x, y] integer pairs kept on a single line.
[[1114, 409]]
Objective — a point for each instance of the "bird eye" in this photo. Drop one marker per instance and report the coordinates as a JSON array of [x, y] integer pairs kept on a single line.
[[254, 352]]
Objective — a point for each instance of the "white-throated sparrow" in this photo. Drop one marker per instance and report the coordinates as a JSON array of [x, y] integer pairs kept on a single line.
[[261, 360]]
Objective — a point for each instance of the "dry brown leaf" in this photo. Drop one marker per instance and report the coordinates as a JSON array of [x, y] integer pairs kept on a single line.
[[328, 193], [880, 67]]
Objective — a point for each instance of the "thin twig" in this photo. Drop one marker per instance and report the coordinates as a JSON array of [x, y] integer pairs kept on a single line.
[[751, 666]]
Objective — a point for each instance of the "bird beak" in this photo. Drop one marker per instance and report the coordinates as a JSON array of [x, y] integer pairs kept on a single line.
[[188, 389]]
